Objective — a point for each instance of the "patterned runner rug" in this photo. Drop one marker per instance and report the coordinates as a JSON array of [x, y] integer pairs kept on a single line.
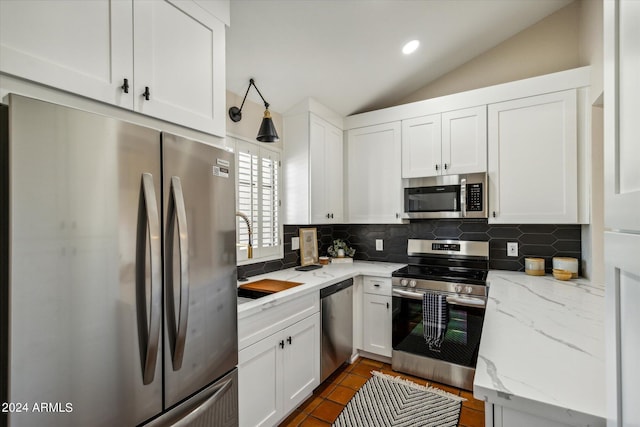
[[386, 401]]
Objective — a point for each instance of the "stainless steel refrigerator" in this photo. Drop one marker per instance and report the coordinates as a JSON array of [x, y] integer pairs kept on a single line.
[[117, 274]]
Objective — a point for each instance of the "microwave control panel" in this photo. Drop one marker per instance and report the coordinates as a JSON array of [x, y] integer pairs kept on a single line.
[[474, 197]]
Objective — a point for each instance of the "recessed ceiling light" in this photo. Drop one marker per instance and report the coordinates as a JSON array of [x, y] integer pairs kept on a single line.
[[410, 47]]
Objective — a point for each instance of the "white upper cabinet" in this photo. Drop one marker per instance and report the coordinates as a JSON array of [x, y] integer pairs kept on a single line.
[[374, 183], [450, 143], [84, 47], [421, 146], [464, 141], [112, 50], [533, 158], [179, 55], [313, 164], [326, 150]]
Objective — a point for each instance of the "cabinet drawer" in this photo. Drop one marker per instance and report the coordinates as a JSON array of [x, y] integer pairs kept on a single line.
[[275, 316], [377, 285]]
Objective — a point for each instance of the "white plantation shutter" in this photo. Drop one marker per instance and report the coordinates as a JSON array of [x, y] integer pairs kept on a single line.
[[270, 201], [247, 193], [258, 197]]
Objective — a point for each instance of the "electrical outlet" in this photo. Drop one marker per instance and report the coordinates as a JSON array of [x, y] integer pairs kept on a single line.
[[512, 248], [379, 245], [295, 243]]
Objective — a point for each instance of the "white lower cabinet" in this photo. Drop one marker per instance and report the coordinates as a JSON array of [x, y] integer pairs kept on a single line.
[[507, 417], [278, 372], [377, 316]]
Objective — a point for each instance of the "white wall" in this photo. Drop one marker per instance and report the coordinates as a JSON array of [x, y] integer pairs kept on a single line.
[[252, 114], [568, 38]]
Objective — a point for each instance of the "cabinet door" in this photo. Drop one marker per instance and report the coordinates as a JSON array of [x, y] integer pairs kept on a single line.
[[334, 165], [623, 341], [259, 375], [179, 52], [464, 141], [373, 167], [301, 362], [533, 159], [84, 47], [377, 324], [622, 203], [325, 163], [422, 147], [621, 125]]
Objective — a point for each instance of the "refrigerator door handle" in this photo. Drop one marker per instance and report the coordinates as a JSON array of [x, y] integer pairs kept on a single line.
[[148, 327], [176, 210]]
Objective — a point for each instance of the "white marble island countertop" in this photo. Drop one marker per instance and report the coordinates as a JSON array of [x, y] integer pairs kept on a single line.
[[542, 349], [313, 281]]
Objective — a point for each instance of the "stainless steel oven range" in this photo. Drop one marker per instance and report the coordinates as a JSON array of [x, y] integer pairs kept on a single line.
[[454, 273]]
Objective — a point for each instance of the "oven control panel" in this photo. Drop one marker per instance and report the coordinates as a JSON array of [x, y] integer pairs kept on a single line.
[[445, 247]]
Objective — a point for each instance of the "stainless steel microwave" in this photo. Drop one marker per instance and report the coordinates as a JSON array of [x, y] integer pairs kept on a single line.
[[447, 196]]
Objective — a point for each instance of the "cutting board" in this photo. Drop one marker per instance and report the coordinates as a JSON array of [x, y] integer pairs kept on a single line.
[[269, 285]]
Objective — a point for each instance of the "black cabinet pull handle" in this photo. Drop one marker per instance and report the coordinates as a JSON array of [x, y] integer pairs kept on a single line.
[[445, 166], [282, 344], [494, 214], [387, 306], [377, 285], [328, 215], [436, 167], [146, 93], [331, 216], [289, 340], [125, 86]]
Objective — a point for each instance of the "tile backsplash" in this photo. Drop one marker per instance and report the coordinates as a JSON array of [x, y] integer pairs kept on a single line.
[[534, 240]]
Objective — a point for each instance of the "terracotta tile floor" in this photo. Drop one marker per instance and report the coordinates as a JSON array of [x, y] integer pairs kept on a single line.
[[330, 397]]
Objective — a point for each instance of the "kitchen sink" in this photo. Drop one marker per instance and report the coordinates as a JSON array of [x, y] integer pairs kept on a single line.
[[263, 288]]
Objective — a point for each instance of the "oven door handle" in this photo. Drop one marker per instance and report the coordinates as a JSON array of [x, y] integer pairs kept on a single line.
[[462, 301], [406, 294], [467, 302]]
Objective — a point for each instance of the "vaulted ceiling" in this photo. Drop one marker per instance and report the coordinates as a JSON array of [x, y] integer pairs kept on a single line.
[[347, 53]]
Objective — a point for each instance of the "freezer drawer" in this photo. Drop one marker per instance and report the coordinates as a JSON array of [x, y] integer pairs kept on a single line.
[[215, 406]]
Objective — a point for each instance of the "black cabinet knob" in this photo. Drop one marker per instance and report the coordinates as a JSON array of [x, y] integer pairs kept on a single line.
[[289, 340], [146, 93], [281, 344], [125, 86]]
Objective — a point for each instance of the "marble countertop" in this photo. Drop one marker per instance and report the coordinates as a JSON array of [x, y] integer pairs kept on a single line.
[[313, 281], [542, 349]]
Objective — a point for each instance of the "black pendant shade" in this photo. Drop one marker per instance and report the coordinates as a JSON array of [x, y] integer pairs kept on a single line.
[[267, 131]]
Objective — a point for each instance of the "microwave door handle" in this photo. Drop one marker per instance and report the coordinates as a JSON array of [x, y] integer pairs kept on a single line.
[[463, 197]]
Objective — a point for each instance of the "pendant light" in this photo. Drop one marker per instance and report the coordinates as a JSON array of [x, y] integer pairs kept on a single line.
[[267, 131]]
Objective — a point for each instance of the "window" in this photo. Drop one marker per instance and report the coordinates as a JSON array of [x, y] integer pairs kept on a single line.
[[258, 197]]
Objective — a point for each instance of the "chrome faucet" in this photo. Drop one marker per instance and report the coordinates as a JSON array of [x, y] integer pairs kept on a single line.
[[249, 232]]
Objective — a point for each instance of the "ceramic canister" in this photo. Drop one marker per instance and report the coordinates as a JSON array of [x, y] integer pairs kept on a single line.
[[534, 266], [566, 263]]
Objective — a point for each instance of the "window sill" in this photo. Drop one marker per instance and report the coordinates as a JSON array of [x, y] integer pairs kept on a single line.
[[258, 260]]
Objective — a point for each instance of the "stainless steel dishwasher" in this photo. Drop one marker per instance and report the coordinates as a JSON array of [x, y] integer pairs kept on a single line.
[[336, 308]]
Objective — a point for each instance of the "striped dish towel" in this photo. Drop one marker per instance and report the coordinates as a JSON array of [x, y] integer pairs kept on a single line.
[[434, 318]]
